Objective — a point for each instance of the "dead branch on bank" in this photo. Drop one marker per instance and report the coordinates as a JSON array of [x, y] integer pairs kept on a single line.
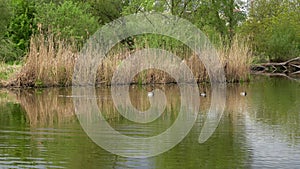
[[289, 69], [291, 66]]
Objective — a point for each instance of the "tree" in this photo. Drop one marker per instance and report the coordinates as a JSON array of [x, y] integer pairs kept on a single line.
[[16, 28], [22, 23], [106, 10], [273, 27], [220, 17], [216, 17], [5, 16], [60, 19]]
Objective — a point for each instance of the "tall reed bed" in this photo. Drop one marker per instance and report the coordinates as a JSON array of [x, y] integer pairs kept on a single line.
[[236, 60], [50, 62]]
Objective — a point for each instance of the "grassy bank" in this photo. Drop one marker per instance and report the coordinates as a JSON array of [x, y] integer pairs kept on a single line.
[[7, 71], [50, 62]]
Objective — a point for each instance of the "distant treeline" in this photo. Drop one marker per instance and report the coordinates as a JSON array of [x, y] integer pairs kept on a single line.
[[271, 27]]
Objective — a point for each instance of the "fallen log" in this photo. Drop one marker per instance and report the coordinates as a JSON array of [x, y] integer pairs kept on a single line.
[[289, 67]]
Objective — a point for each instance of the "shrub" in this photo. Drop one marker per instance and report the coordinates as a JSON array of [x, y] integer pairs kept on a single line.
[[17, 25], [273, 27], [69, 20], [9, 52], [22, 23], [5, 16], [282, 42]]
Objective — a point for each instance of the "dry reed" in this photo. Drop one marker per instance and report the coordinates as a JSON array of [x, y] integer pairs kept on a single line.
[[50, 62], [236, 60]]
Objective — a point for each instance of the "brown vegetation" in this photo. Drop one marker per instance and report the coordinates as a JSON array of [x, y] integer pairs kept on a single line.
[[50, 62], [54, 106], [289, 69], [45, 107]]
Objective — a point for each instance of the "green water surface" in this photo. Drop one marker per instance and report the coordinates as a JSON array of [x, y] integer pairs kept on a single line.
[[39, 129]]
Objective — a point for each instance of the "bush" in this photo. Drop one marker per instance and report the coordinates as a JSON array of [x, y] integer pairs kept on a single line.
[[5, 16], [273, 27], [282, 42], [22, 23], [69, 20], [9, 53], [17, 26]]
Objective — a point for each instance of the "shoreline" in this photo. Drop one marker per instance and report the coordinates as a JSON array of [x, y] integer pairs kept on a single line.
[[3, 86], [9, 83]]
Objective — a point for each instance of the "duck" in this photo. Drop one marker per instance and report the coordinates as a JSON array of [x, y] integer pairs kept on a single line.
[[150, 94], [244, 93], [203, 94]]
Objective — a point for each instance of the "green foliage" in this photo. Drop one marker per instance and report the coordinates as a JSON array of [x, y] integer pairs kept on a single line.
[[39, 83], [161, 42], [282, 42], [217, 18], [8, 70], [7, 47], [9, 52], [136, 6], [17, 26], [220, 18], [105, 10], [69, 20], [5, 15], [22, 23], [273, 27]]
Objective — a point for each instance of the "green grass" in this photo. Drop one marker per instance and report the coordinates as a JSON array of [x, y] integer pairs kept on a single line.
[[8, 70]]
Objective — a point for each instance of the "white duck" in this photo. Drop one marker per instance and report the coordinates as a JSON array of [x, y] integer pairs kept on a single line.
[[244, 93], [150, 94], [203, 94]]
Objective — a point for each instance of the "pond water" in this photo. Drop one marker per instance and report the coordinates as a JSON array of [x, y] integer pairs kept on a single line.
[[39, 129]]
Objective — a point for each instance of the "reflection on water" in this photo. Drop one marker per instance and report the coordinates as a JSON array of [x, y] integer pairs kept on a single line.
[[38, 129]]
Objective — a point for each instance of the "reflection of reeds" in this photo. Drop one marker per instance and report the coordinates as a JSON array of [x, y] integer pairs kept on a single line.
[[139, 100], [236, 104], [53, 106], [44, 107], [6, 96]]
